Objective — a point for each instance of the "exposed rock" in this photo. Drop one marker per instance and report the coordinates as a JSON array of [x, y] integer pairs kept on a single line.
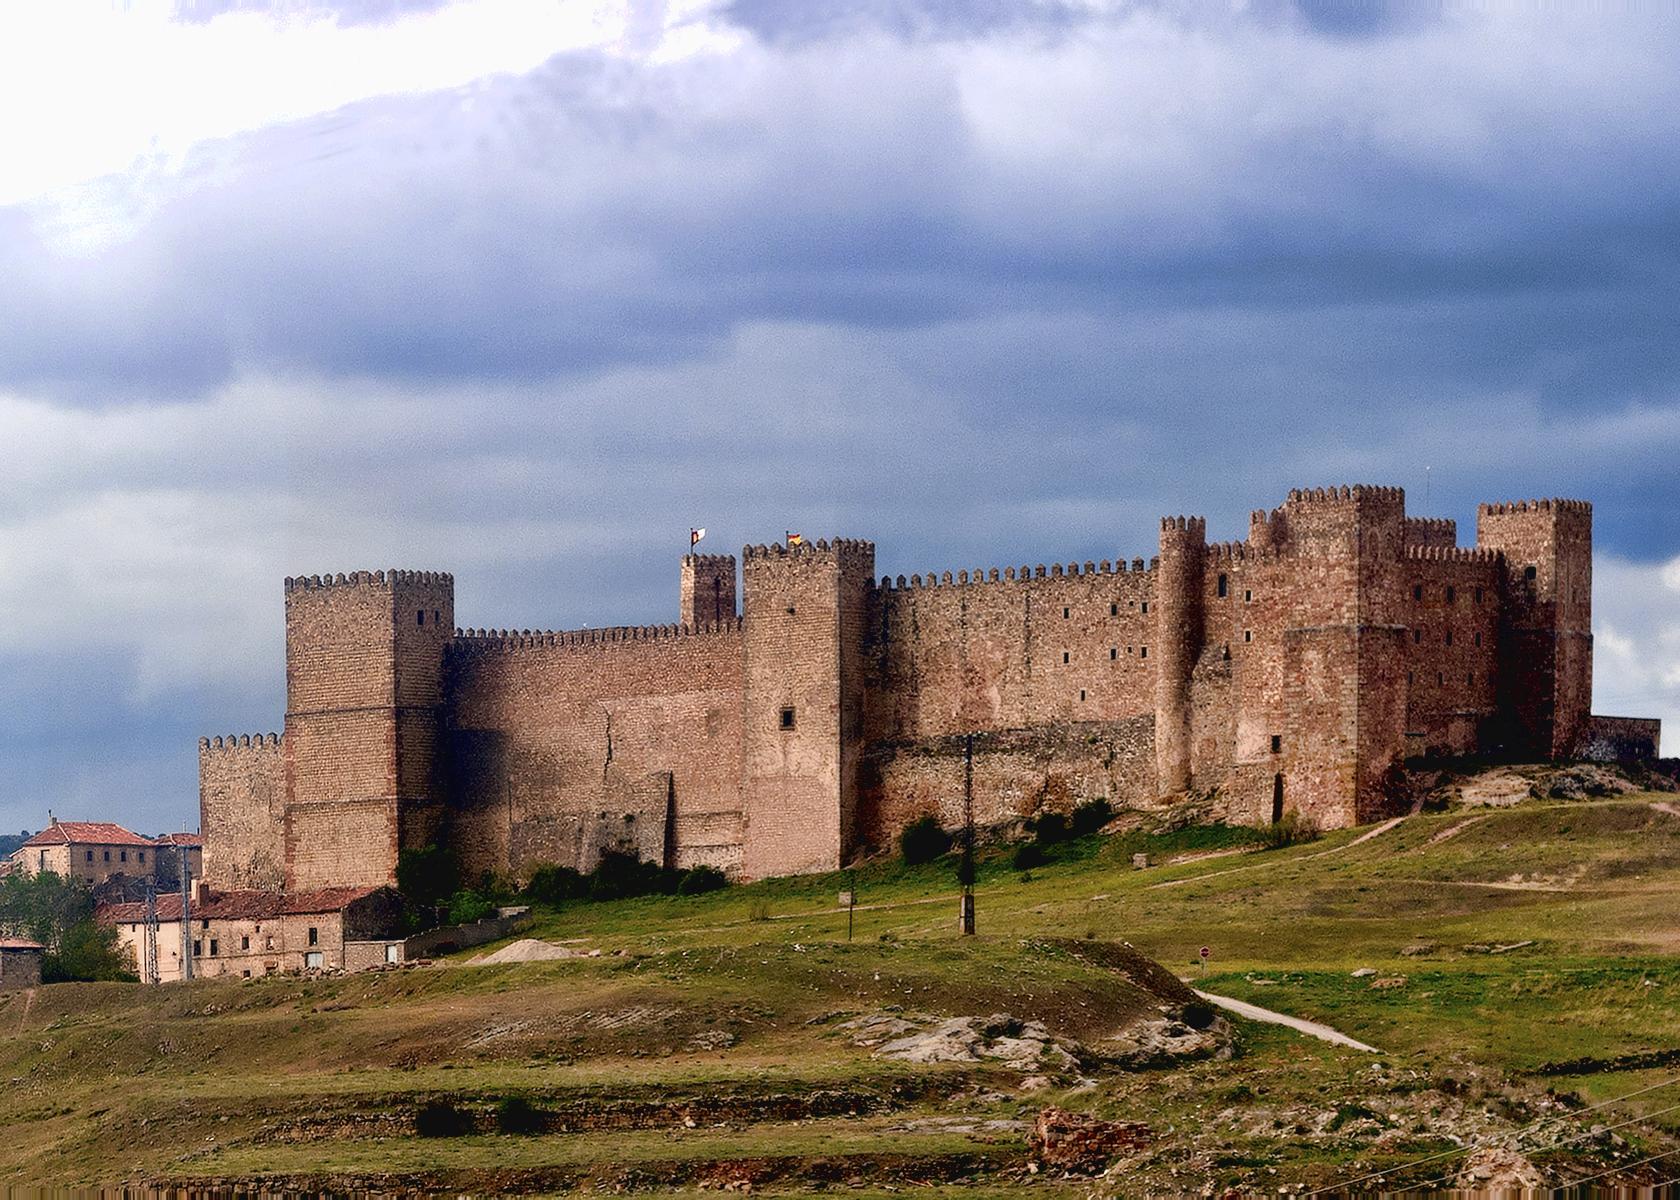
[[1165, 1041], [1077, 1142], [1025, 1046], [1363, 972], [1496, 1169]]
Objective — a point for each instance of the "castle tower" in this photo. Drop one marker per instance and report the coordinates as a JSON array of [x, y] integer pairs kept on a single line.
[[1178, 640], [1545, 638], [805, 610], [708, 590], [364, 688]]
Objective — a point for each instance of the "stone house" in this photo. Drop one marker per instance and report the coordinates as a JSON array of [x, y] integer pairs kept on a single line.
[[20, 963]]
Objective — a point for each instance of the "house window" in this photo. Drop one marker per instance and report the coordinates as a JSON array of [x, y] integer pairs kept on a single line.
[[107, 856], [420, 617], [246, 973], [1064, 657], [1248, 635], [1470, 678], [787, 718], [1143, 651], [90, 855], [437, 617], [1248, 595], [196, 949], [215, 945], [244, 941], [1113, 652], [1410, 679], [314, 935], [1277, 743], [205, 923], [142, 854], [1531, 573], [123, 854], [1145, 606], [268, 943], [1224, 587]]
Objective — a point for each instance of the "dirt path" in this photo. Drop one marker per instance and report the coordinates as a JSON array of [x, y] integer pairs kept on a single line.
[[1663, 806], [1453, 831], [1374, 831], [1311, 1028]]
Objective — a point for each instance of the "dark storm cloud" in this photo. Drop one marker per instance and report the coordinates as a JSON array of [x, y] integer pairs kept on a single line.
[[991, 284]]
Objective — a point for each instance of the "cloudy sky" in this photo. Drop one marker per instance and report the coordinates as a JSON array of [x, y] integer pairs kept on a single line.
[[521, 290]]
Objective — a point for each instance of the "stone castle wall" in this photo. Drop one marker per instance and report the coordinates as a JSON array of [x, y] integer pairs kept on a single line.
[[1287, 673]]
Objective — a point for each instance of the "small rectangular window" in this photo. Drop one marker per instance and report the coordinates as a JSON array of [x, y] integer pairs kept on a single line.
[[1224, 586], [1064, 612], [1478, 595], [1470, 678], [1477, 639], [1064, 656], [1082, 695], [1248, 635], [420, 617], [1146, 606], [107, 856], [1417, 591], [1440, 679], [1277, 743], [1114, 610], [1248, 595], [142, 854], [90, 855], [1452, 594], [1417, 635], [124, 855], [314, 935], [1409, 679], [196, 947], [1449, 637], [1113, 652], [1530, 573], [1143, 652], [204, 923], [787, 718], [245, 941], [215, 945]]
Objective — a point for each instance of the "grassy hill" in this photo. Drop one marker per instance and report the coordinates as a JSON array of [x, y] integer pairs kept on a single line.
[[1511, 966]]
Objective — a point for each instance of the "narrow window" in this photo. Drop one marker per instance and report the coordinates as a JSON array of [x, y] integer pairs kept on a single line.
[[196, 949], [107, 856], [1224, 587], [245, 942], [1064, 613], [437, 617], [1410, 679], [1470, 678], [215, 945], [314, 935], [1114, 610], [1248, 595], [1248, 635], [1145, 606], [142, 854], [1452, 594], [1277, 743], [1477, 639], [420, 617], [1440, 679], [123, 854], [1143, 651], [1064, 656], [1478, 595], [787, 718], [1113, 652], [1417, 591], [204, 923], [1277, 798], [1449, 637], [1417, 635], [90, 855], [1530, 573], [1081, 695]]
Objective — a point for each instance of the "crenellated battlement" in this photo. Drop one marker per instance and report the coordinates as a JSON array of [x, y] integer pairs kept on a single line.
[[1241, 552], [1196, 526], [984, 576], [240, 741], [1464, 554], [503, 639], [1346, 492], [373, 579], [822, 546], [1536, 506]]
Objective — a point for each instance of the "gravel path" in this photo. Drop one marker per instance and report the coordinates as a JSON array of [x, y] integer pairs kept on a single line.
[[1311, 1028]]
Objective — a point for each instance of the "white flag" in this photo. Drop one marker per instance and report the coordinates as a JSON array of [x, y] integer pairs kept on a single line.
[[694, 536]]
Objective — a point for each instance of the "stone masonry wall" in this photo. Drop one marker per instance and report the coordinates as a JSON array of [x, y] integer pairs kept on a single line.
[[242, 811]]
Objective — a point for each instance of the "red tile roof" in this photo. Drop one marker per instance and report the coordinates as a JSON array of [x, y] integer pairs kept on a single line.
[[11, 943], [96, 833], [237, 906], [179, 839]]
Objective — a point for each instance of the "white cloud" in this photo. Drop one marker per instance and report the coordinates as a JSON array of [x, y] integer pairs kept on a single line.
[[1636, 625]]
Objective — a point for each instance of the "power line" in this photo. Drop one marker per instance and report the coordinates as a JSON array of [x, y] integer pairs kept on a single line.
[[1490, 1139], [1575, 1183]]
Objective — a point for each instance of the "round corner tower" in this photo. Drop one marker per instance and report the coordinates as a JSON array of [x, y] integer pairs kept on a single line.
[[1178, 635]]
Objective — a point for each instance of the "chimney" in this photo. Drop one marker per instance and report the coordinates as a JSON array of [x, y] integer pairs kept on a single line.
[[201, 893]]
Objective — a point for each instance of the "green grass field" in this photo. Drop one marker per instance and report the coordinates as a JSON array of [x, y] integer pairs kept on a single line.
[[1524, 961]]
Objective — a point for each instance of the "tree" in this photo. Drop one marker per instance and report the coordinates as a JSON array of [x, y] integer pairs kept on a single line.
[[429, 876]]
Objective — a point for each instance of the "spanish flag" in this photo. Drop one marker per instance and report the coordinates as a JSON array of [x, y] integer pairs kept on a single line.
[[795, 539]]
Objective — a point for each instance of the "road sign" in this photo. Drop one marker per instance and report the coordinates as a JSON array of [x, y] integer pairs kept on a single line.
[[1205, 953]]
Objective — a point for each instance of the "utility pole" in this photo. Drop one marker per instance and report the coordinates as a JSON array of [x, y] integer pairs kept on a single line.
[[149, 950], [965, 866], [186, 917]]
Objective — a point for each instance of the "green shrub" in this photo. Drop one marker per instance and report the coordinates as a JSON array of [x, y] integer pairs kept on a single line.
[[465, 907], [87, 952], [550, 884], [1290, 831], [697, 880], [1050, 828], [1092, 816], [923, 840], [515, 1114], [440, 1118], [429, 876], [1027, 856]]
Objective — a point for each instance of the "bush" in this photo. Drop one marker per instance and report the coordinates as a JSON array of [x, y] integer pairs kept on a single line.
[[87, 952], [1027, 856], [1050, 828], [1091, 816], [429, 876], [465, 907], [1290, 831], [440, 1118], [701, 879], [515, 1114], [550, 884], [923, 840]]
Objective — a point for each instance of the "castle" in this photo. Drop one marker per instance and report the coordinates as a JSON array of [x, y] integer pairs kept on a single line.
[[806, 708]]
